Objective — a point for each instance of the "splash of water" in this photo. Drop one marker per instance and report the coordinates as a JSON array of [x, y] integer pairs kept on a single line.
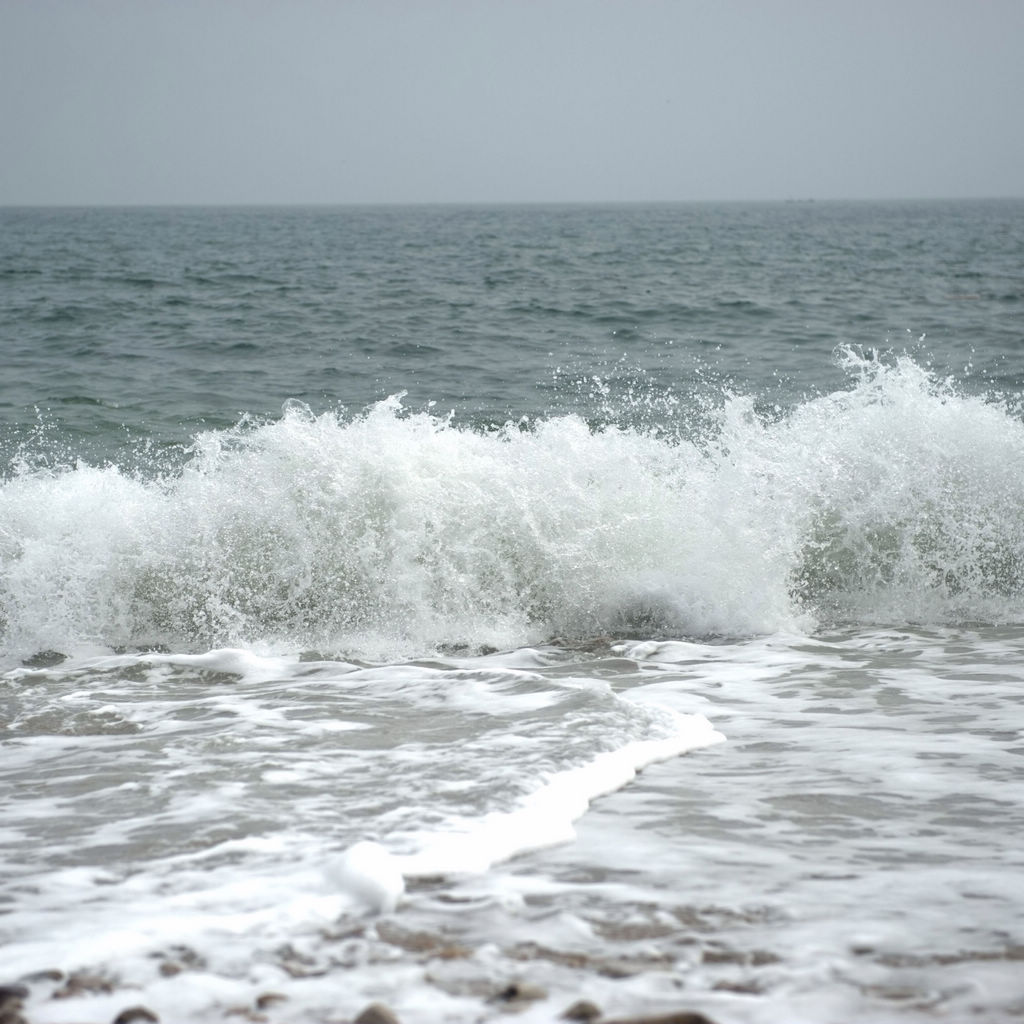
[[898, 499]]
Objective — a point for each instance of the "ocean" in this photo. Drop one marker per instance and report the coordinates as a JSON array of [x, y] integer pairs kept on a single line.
[[476, 610]]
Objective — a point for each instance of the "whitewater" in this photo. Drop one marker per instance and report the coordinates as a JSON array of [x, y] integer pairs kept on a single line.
[[393, 533]]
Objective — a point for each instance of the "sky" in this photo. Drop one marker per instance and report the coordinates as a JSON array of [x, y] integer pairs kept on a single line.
[[411, 101]]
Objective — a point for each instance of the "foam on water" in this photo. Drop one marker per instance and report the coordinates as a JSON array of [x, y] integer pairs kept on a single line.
[[898, 499], [238, 805], [545, 817], [851, 854]]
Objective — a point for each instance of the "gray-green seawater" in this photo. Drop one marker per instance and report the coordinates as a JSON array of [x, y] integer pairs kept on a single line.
[[159, 320]]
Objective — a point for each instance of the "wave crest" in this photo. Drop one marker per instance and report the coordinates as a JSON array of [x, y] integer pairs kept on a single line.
[[898, 500]]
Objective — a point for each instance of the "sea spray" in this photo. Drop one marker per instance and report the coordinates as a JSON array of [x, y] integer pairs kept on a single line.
[[914, 498], [394, 532]]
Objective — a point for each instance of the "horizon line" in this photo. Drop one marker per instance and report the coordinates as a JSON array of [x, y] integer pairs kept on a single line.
[[405, 203]]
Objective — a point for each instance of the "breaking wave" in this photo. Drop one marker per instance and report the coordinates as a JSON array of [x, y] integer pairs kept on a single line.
[[899, 499]]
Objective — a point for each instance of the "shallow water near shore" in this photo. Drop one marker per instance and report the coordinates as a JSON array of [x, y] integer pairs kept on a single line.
[[404, 606], [852, 848]]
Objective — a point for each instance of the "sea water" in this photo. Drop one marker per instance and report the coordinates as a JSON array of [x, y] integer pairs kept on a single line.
[[409, 604]]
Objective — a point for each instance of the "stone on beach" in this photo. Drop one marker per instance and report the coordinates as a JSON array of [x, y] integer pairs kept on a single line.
[[376, 1013], [11, 997], [582, 1009], [133, 1014]]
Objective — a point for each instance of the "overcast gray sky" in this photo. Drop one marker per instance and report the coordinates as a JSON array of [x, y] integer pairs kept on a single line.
[[337, 101]]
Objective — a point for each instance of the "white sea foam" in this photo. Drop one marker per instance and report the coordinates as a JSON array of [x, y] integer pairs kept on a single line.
[[370, 874], [898, 499], [235, 804], [857, 837], [545, 817]]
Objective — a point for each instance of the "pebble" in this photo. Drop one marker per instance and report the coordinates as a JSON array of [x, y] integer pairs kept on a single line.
[[136, 1013], [268, 999], [521, 992], [582, 1009], [376, 1013], [177, 959], [78, 984], [681, 1017], [247, 1012], [10, 1004]]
